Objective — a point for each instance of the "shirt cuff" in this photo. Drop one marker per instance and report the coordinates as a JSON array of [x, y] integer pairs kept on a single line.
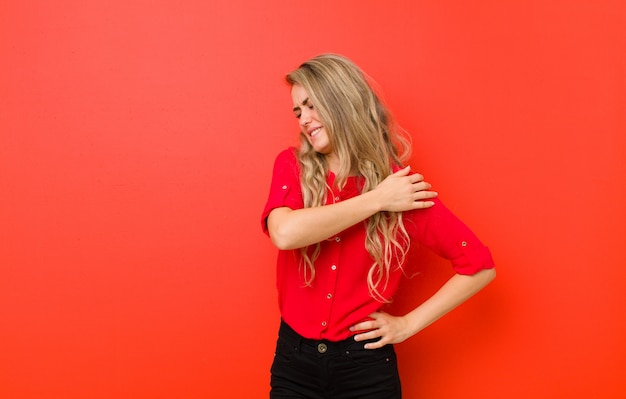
[[473, 259]]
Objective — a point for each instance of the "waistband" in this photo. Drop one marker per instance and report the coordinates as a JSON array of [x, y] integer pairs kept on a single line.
[[307, 345]]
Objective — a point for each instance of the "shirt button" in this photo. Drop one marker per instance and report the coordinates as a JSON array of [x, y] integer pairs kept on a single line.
[[323, 324], [337, 198], [284, 187], [329, 296], [333, 267], [464, 244], [337, 239]]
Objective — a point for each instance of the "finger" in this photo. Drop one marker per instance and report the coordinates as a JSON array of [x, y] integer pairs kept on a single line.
[[375, 345], [379, 343], [367, 335], [403, 172], [424, 195], [421, 186], [366, 325], [422, 204], [416, 177]]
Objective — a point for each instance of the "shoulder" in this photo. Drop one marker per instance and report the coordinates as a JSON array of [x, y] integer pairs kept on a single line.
[[287, 159], [423, 219], [286, 163], [287, 156]]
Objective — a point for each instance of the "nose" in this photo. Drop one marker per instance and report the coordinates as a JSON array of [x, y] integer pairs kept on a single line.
[[305, 117]]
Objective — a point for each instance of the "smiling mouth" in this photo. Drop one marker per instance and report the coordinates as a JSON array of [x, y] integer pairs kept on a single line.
[[315, 131]]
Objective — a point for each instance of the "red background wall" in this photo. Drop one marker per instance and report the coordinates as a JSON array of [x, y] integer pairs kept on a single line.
[[136, 145]]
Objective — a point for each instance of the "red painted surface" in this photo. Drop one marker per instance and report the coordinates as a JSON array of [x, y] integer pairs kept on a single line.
[[136, 145]]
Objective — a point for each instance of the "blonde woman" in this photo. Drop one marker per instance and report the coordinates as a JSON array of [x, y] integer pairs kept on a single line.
[[344, 211]]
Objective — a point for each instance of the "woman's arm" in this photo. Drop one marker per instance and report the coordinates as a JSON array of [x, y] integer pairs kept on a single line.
[[395, 329], [290, 229]]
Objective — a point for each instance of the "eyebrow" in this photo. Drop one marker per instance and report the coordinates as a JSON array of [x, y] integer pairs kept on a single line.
[[306, 100]]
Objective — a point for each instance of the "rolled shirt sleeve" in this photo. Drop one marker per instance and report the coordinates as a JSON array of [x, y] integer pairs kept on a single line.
[[285, 190], [440, 230]]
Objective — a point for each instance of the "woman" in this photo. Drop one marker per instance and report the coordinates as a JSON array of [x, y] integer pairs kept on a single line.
[[345, 212]]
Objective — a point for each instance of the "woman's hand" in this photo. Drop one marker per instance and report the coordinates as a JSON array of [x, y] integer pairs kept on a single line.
[[393, 329], [390, 329], [290, 229], [402, 191]]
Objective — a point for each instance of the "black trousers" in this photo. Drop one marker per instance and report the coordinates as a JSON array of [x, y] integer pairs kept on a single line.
[[305, 368]]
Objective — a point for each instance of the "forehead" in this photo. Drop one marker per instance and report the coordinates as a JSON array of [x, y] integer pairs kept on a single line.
[[298, 94]]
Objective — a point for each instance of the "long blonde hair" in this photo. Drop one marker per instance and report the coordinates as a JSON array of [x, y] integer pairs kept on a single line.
[[367, 142]]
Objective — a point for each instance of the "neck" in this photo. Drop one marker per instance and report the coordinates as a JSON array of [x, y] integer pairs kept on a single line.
[[334, 166], [333, 163]]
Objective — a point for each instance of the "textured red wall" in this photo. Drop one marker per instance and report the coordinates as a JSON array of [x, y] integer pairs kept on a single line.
[[136, 145]]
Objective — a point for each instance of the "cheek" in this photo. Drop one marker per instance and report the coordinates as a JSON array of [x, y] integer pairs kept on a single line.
[[305, 138], [314, 115]]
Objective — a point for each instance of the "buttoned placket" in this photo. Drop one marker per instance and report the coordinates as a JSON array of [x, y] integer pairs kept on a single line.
[[334, 246]]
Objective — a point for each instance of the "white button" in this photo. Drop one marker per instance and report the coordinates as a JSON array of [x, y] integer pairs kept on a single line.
[[337, 198], [284, 187], [337, 239], [464, 244], [323, 324], [333, 267], [329, 296]]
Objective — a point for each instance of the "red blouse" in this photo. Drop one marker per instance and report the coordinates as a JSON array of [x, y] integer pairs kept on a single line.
[[338, 297]]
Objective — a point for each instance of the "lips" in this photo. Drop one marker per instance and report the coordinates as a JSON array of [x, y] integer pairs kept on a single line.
[[314, 132]]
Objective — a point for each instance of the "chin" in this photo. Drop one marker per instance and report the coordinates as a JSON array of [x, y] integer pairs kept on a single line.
[[322, 151]]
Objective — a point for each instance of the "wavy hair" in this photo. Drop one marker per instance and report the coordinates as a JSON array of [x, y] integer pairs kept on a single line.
[[367, 142]]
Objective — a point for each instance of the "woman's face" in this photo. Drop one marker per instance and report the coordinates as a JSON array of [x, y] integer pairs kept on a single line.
[[310, 124]]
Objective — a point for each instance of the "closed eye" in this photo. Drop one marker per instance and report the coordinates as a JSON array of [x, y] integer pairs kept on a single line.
[[306, 103]]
